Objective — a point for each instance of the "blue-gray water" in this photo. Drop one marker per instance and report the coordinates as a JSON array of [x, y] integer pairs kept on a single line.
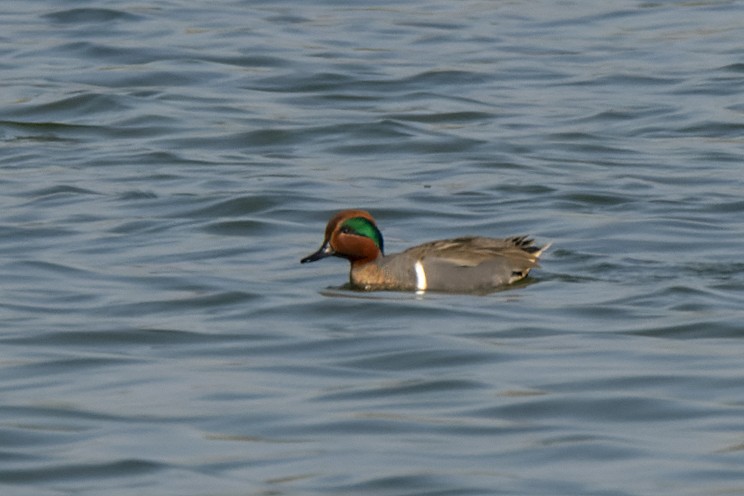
[[164, 166]]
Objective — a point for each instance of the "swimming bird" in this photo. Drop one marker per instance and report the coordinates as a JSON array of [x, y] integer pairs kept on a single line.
[[461, 265]]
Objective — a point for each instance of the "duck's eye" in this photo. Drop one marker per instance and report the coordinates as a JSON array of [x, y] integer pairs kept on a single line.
[[346, 230]]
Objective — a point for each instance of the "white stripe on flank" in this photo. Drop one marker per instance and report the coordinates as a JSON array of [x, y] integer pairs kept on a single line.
[[420, 276]]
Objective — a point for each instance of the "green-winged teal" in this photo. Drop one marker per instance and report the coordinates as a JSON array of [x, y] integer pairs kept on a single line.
[[469, 264]]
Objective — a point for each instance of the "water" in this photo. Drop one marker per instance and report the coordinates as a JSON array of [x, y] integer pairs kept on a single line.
[[164, 167]]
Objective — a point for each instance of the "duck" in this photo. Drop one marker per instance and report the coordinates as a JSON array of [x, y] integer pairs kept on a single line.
[[469, 264]]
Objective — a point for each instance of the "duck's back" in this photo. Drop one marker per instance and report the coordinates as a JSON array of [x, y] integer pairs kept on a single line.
[[463, 264]]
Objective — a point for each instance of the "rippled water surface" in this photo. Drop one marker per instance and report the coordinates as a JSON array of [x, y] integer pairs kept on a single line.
[[165, 165]]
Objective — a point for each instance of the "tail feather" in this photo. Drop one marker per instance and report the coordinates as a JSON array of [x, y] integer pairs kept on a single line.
[[539, 251]]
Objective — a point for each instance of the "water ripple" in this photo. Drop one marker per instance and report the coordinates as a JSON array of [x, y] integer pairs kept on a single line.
[[165, 168]]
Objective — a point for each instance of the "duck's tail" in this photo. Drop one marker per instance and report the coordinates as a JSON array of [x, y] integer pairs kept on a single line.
[[540, 250]]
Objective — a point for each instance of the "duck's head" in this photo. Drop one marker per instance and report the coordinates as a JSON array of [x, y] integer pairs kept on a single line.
[[350, 234]]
